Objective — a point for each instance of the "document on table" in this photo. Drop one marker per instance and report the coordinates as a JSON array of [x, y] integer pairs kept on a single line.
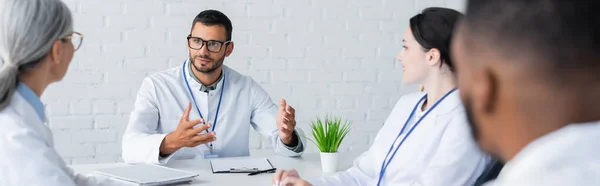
[[240, 165], [147, 174]]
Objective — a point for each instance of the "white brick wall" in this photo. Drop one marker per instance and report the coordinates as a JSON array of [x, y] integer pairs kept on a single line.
[[324, 56]]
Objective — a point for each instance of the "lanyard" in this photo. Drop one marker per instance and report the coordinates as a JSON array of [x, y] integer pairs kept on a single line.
[[194, 100], [385, 164]]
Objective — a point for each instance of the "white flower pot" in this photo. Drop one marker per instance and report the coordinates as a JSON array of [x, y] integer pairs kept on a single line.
[[329, 161]]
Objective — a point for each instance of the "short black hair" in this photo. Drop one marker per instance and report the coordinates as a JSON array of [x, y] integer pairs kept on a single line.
[[433, 28], [214, 17], [556, 35]]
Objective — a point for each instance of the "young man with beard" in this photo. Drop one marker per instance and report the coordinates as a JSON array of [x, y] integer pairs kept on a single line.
[[178, 112], [529, 74]]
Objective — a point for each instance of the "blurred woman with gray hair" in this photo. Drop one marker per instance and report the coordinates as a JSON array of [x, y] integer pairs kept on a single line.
[[37, 43]]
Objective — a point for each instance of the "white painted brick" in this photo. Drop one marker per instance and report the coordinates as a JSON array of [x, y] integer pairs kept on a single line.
[[359, 27], [146, 37], [127, 22], [124, 49], [108, 149], [304, 39], [83, 77], [288, 25], [170, 51], [328, 26], [74, 150], [330, 3], [309, 89], [144, 7], [270, 39], [364, 103], [306, 64], [146, 64], [374, 14], [346, 102], [126, 106], [340, 13], [420, 5], [264, 11], [70, 122], [113, 91], [104, 107], [394, 26], [288, 52], [190, 8], [359, 51], [349, 115], [391, 76], [347, 88], [97, 36], [323, 51], [260, 76], [366, 76], [61, 137], [361, 3], [253, 25], [57, 108], [289, 76], [106, 7], [377, 39], [382, 102], [235, 10], [314, 12], [378, 114], [122, 76], [345, 39], [88, 21], [171, 22], [292, 4], [390, 52], [56, 92], [346, 64], [100, 63], [81, 107], [250, 50], [268, 64], [87, 136], [325, 76], [381, 88]]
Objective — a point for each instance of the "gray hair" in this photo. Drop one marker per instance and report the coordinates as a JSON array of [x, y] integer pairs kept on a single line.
[[28, 29]]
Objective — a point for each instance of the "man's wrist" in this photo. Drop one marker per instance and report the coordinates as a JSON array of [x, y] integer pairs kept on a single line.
[[167, 147]]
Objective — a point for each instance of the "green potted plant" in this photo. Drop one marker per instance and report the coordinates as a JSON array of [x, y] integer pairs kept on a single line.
[[328, 134]]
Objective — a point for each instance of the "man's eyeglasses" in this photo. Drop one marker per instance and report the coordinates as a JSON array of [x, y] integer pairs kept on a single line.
[[76, 39], [197, 43]]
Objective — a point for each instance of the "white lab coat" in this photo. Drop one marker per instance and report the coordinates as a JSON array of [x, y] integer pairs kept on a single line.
[[568, 156], [28, 156], [439, 152], [163, 97]]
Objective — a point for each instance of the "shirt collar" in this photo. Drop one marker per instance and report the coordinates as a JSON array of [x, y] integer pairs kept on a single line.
[[203, 87], [32, 99]]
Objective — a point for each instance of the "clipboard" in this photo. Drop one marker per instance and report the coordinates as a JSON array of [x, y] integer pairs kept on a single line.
[[240, 165]]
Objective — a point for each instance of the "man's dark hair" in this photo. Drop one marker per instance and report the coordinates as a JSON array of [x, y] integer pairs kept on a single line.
[[433, 28], [214, 17], [559, 36]]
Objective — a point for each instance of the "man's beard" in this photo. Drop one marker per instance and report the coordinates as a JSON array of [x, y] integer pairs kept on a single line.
[[208, 69], [475, 133]]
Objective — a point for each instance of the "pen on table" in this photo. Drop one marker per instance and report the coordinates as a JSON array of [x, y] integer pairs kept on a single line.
[[263, 171]]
